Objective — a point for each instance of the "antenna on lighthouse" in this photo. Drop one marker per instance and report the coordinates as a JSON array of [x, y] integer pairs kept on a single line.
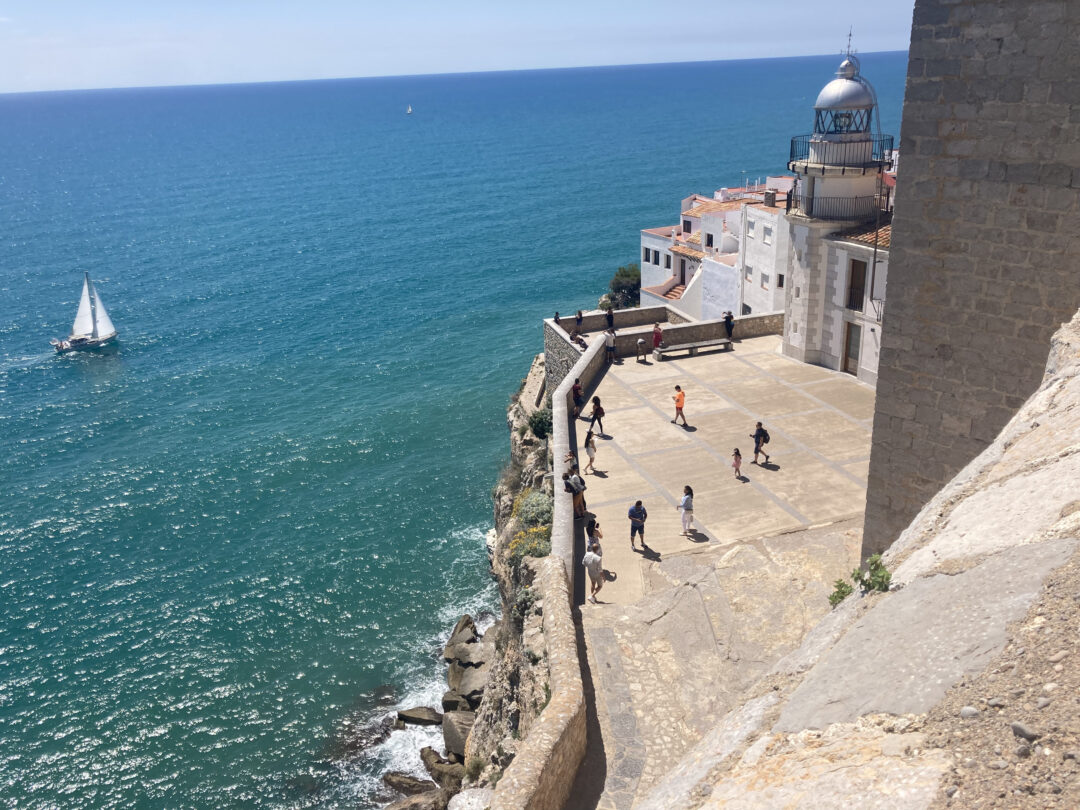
[[849, 32]]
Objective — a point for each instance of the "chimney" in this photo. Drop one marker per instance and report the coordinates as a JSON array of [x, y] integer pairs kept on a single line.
[[770, 198]]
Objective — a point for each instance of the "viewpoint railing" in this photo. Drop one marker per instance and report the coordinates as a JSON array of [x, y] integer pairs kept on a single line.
[[837, 208], [869, 152]]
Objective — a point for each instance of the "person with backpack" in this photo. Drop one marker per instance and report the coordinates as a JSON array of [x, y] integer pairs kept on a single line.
[[761, 438], [597, 415]]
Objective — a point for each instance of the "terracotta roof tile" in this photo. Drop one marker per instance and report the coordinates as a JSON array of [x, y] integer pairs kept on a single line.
[[689, 253], [864, 234]]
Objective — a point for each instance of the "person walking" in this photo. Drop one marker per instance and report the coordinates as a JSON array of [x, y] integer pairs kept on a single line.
[[761, 438], [590, 451], [729, 323], [637, 515], [593, 534], [609, 346], [687, 507], [579, 397], [594, 565], [680, 400], [579, 488], [736, 462], [642, 351], [597, 415]]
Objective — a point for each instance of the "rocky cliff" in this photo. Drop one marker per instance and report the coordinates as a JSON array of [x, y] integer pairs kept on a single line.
[[959, 687]]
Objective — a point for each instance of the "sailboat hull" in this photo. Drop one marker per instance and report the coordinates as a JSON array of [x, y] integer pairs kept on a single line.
[[82, 344]]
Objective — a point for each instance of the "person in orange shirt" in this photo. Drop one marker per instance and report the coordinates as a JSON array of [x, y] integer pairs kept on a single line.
[[680, 400]]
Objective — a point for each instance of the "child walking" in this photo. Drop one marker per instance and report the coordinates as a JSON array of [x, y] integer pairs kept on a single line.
[[736, 462], [687, 507], [590, 449]]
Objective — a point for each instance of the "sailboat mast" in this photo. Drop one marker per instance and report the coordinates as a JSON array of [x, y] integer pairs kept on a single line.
[[93, 303]]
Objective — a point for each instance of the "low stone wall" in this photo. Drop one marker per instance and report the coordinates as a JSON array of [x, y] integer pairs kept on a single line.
[[561, 354], [542, 773]]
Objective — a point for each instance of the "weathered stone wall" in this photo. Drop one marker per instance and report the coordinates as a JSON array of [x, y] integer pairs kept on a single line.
[[542, 773], [985, 244]]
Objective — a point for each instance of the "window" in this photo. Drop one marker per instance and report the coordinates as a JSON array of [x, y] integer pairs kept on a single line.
[[645, 255], [749, 273], [794, 328], [766, 235], [856, 291], [656, 257], [686, 226], [746, 310], [750, 228], [779, 281], [708, 240], [764, 281], [667, 261]]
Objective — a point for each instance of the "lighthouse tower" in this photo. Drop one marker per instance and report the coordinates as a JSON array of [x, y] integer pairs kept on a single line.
[[839, 186]]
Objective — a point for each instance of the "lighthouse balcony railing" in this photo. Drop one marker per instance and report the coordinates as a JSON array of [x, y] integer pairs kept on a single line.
[[817, 150], [837, 208]]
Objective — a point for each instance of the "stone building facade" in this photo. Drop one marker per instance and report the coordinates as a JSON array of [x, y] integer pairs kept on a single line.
[[985, 263]]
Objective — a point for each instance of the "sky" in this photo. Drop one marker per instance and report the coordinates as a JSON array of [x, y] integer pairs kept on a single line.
[[76, 44]]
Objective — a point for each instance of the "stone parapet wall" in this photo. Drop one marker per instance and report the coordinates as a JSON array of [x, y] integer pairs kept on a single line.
[[542, 773], [985, 240]]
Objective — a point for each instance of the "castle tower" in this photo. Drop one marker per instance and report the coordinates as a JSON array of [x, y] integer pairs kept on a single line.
[[839, 186]]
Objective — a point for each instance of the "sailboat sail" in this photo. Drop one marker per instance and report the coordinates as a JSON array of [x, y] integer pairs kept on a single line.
[[84, 318], [104, 322]]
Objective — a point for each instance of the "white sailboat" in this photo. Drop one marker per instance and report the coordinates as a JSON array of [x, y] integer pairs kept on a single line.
[[92, 327], [409, 111]]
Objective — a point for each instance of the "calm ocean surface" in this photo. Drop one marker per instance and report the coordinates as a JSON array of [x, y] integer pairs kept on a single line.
[[242, 536]]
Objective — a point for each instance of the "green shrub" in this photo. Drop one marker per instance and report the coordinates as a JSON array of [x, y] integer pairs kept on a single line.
[[626, 286], [523, 604], [533, 508], [534, 542], [842, 592], [473, 768], [540, 423], [875, 578]]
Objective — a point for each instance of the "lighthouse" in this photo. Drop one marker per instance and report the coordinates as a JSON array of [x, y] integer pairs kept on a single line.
[[838, 218]]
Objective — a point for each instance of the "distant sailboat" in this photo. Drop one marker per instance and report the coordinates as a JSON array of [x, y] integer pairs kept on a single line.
[[409, 111], [92, 327]]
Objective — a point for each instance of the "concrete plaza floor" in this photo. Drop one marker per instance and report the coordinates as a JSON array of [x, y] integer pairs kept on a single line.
[[684, 629], [819, 423]]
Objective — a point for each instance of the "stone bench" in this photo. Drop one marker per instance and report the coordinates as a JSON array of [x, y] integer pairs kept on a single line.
[[692, 348]]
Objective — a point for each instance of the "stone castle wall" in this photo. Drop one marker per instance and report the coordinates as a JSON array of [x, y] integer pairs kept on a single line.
[[986, 240]]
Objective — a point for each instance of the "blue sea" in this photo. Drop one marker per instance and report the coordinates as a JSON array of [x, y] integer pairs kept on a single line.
[[230, 546]]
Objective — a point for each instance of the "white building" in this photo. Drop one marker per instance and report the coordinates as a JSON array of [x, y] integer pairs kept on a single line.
[[814, 245], [698, 265]]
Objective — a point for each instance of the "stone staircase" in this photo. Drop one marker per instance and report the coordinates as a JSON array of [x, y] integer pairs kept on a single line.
[[675, 293]]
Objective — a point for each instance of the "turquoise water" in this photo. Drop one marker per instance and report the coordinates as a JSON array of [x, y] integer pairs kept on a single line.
[[229, 546]]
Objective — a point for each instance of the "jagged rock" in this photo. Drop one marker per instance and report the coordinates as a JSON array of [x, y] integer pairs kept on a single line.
[[464, 631], [447, 774], [467, 681], [407, 783], [1025, 733], [432, 800], [453, 702], [420, 716], [456, 728], [472, 799], [471, 654]]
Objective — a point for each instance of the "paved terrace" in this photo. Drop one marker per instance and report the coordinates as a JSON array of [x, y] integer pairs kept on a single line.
[[683, 628]]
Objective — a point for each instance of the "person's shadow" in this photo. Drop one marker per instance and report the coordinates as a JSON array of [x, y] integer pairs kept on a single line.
[[772, 466], [689, 428], [599, 473], [610, 576], [649, 554], [742, 479], [697, 537]]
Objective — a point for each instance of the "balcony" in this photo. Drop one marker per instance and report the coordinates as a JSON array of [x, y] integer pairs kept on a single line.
[[838, 208], [856, 297], [814, 154]]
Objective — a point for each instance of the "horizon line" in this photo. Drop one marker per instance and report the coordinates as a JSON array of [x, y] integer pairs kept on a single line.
[[426, 75]]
